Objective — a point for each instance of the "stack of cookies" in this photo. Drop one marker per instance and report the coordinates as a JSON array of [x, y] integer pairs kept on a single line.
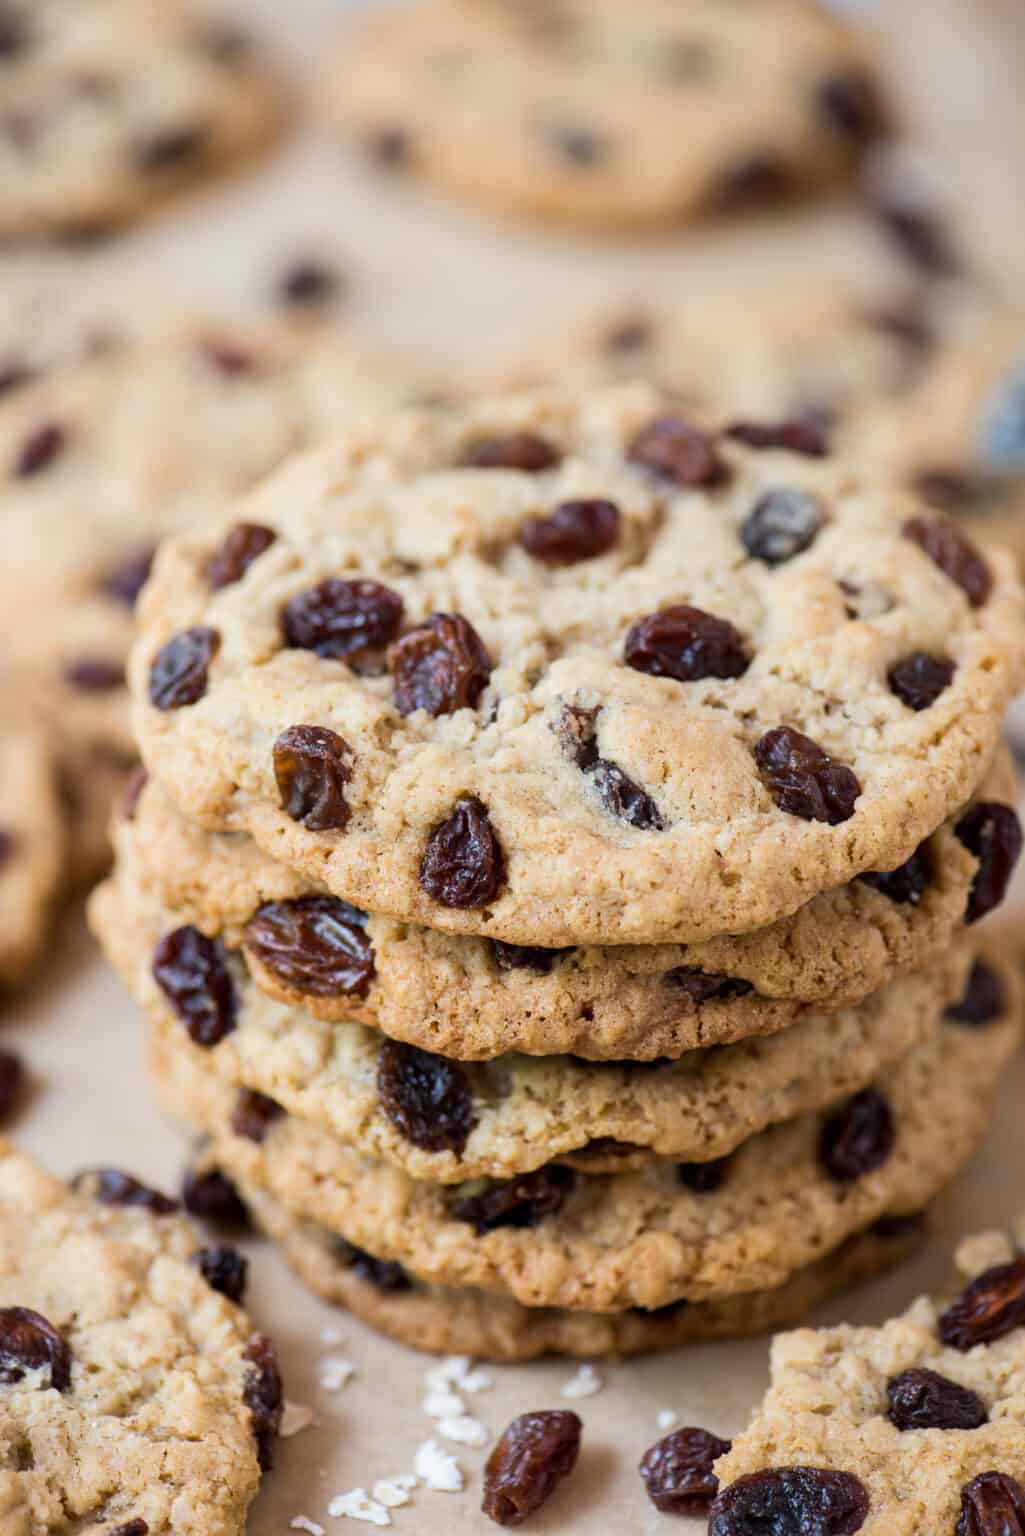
[[554, 893]]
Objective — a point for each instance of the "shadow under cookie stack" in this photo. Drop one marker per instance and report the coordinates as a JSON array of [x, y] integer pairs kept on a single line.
[[553, 898]]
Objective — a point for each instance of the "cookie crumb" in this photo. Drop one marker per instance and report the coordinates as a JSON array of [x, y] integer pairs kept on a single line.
[[394, 1491], [296, 1417], [465, 1430], [301, 1523], [335, 1373], [665, 1418], [458, 1371], [438, 1469], [585, 1383], [331, 1335], [357, 1505], [440, 1404], [981, 1252]]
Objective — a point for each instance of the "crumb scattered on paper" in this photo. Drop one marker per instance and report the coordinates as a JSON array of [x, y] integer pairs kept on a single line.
[[442, 1405], [358, 1505], [464, 1430], [394, 1491], [335, 1373], [665, 1418], [330, 1335], [458, 1371], [585, 1383], [301, 1523], [438, 1469], [296, 1417]]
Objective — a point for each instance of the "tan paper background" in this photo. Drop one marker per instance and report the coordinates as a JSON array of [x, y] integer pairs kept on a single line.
[[443, 283]]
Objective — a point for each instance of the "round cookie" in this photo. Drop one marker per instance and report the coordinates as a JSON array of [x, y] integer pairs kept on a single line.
[[31, 840], [448, 1123], [489, 1327], [608, 116], [110, 110], [134, 1395], [596, 753], [472, 999], [642, 1238]]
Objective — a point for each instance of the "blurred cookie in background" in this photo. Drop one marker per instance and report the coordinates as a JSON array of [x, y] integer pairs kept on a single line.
[[31, 839]]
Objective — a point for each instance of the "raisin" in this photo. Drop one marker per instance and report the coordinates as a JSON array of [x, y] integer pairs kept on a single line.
[[263, 1395], [169, 148], [440, 666], [226, 356], [383, 1274], [669, 447], [14, 33], [920, 236], [178, 675], [12, 1083], [110, 1186], [992, 1504], [13, 374], [919, 679], [253, 1114], [463, 864], [28, 1343], [39, 450], [706, 987], [531, 1456], [892, 1228], [126, 581], [521, 1202], [131, 793], [984, 997], [858, 1138], [803, 779], [91, 674], [795, 435], [921, 1399], [240, 547], [955, 555], [316, 945], [307, 284], [781, 524], [987, 1309], [851, 105], [336, 618], [525, 957], [950, 489], [759, 180], [572, 531], [389, 148], [312, 767], [704, 1178], [130, 1528], [576, 729], [224, 1270], [513, 450], [993, 833], [426, 1097], [685, 643], [906, 884], [575, 144], [8, 843], [191, 973], [677, 1471], [631, 333], [212, 1197], [790, 1501], [224, 43]]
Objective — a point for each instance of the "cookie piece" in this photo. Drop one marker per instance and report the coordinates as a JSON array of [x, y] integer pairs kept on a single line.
[[31, 840], [641, 1238], [444, 1321], [107, 117], [410, 699], [448, 1122], [578, 114], [97, 1430], [923, 1413]]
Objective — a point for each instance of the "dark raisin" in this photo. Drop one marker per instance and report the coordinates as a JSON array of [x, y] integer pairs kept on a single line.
[[426, 1097], [224, 1270], [521, 1202], [226, 356], [525, 957], [906, 884], [760, 180], [677, 1471], [993, 833], [513, 450], [179, 673], [127, 580], [463, 864], [190, 971], [12, 1083], [28, 1343], [8, 843], [263, 1395], [955, 555], [253, 1114], [920, 236], [984, 997], [440, 666], [790, 1501], [307, 284], [781, 524], [572, 531], [110, 1186], [894, 1228], [389, 147], [575, 144], [312, 767], [91, 674], [383, 1274], [531, 1456], [669, 447], [952, 490], [992, 1504], [919, 679], [339, 618], [704, 986], [131, 793], [987, 1309], [851, 105], [687, 644], [576, 729], [130, 1528], [14, 33], [631, 333], [797, 435], [704, 1178], [169, 148], [212, 1197], [223, 42], [921, 1399], [39, 450], [13, 374], [858, 1138], [803, 779], [316, 945], [241, 546]]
